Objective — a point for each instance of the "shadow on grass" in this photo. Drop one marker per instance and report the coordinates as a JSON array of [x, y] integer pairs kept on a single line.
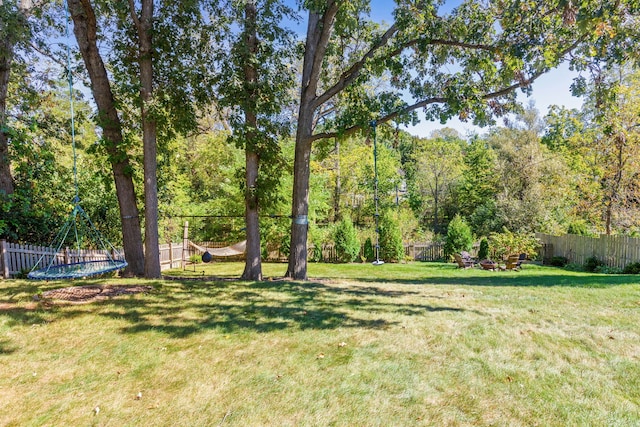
[[184, 309]]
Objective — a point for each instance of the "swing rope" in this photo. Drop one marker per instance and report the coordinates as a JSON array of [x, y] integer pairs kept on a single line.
[[83, 268]]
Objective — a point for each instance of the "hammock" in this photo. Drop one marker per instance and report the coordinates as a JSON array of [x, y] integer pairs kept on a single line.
[[233, 250]]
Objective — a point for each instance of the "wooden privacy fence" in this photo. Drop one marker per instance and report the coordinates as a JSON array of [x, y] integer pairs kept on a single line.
[[614, 251], [424, 251]]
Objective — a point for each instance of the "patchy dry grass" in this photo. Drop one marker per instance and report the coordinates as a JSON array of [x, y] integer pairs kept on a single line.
[[414, 344]]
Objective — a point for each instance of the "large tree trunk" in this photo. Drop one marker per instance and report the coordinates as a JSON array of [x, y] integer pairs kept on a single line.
[[297, 268], [6, 179], [144, 25], [319, 30], [85, 31], [253, 263], [338, 189], [7, 45]]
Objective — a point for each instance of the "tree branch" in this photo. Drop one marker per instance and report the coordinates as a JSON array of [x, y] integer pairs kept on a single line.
[[134, 16], [317, 42], [354, 71]]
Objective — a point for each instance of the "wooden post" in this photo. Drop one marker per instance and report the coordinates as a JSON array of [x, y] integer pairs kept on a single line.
[[185, 244], [4, 260]]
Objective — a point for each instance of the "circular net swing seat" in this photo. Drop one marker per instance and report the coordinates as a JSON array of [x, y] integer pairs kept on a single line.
[[87, 263], [77, 270]]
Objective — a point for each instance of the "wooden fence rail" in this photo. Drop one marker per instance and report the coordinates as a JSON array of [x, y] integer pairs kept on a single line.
[[614, 251]]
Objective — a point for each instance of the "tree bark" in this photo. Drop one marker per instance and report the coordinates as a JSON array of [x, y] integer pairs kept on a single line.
[[6, 179], [144, 26], [7, 45], [85, 30], [253, 262], [338, 190]]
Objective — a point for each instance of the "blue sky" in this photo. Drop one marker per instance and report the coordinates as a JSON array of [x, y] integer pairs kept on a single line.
[[550, 89]]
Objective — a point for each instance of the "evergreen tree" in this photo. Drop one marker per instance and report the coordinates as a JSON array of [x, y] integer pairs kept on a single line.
[[459, 237], [346, 240]]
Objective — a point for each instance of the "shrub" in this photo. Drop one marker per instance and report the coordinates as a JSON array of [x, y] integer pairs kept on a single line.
[[574, 266], [633, 268], [459, 237], [346, 241], [369, 251], [508, 243], [315, 239], [391, 246], [558, 261], [591, 264], [605, 269], [483, 252]]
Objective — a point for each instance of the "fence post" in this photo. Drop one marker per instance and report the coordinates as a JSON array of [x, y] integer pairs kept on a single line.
[[170, 254], [4, 261], [185, 243]]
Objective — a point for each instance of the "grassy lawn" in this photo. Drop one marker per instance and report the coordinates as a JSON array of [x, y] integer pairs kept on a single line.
[[396, 345]]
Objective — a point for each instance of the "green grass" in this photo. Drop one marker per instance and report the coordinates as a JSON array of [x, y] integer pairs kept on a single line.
[[357, 345]]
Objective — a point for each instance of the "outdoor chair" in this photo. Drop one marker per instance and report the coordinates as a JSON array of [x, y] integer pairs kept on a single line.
[[514, 262], [466, 256], [462, 263]]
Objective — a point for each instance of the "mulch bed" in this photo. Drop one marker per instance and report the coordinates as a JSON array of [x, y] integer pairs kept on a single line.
[[91, 293]]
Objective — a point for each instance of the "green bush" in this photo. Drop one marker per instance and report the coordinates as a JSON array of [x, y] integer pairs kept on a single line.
[[632, 268], [459, 237], [346, 241], [315, 240], [391, 246], [508, 243], [605, 269], [369, 250], [483, 252], [558, 261], [574, 266], [592, 263]]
